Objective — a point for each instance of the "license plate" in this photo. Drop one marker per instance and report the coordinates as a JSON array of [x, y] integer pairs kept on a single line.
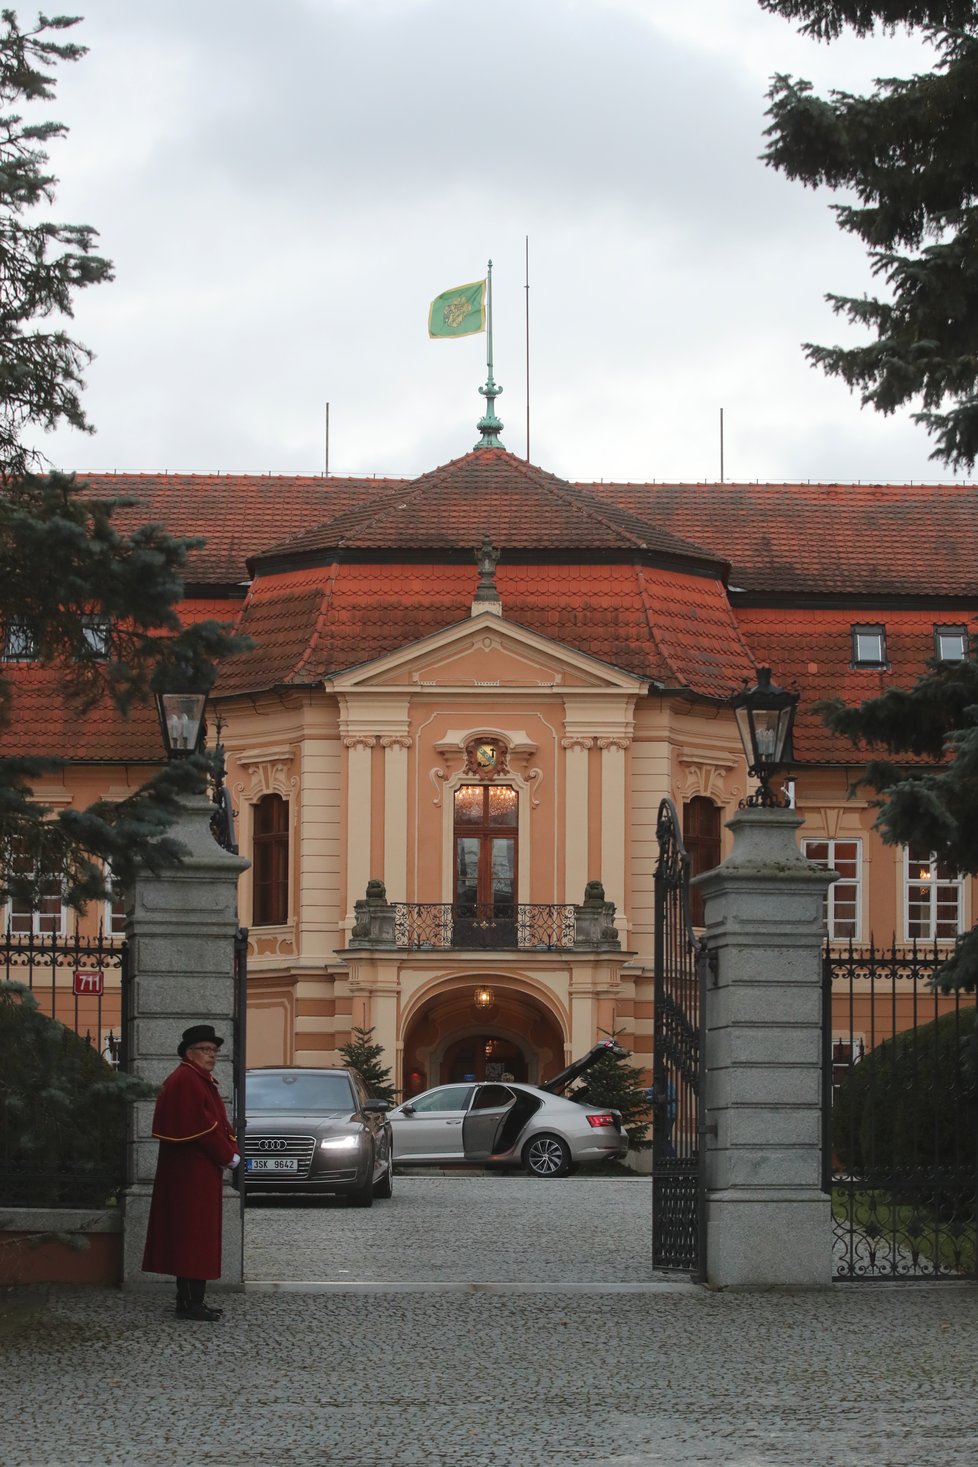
[[272, 1164]]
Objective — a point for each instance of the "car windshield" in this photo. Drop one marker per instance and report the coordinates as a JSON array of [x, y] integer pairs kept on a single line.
[[299, 1092]]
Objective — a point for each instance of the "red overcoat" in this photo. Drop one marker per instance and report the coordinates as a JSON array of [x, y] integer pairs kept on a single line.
[[196, 1143]]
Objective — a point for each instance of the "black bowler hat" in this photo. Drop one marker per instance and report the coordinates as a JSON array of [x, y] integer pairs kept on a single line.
[[197, 1034]]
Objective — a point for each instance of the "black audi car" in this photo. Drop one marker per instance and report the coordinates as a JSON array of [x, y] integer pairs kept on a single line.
[[316, 1133]]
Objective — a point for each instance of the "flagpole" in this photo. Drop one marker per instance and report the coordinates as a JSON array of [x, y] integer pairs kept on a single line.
[[526, 287], [489, 425]]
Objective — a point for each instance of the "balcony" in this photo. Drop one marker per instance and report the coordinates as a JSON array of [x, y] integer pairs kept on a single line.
[[490, 925], [493, 927]]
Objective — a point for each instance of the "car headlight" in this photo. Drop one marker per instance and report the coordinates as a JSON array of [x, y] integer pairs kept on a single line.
[[339, 1143]]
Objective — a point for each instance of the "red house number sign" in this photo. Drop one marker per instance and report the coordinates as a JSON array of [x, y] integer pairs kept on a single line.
[[88, 980]]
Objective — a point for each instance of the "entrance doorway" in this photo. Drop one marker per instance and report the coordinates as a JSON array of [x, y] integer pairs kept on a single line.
[[451, 1038]]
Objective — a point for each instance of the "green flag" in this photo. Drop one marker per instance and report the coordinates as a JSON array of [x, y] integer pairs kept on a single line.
[[459, 312]]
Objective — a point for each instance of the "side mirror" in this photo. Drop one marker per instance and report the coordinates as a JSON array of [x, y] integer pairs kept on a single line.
[[377, 1107], [408, 1110]]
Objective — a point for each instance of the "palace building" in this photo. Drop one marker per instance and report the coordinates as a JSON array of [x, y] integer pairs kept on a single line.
[[468, 694]]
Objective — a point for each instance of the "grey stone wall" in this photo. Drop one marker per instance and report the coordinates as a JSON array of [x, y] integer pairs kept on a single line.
[[768, 1221], [181, 929]]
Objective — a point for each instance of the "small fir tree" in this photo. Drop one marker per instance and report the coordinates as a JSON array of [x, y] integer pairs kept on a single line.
[[615, 1084], [363, 1055]]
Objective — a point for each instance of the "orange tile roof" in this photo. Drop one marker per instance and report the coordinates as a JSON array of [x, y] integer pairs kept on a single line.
[[824, 539], [47, 723], [490, 492], [307, 624], [811, 650]]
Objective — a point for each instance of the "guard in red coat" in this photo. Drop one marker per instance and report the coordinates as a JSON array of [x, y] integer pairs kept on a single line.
[[196, 1144]]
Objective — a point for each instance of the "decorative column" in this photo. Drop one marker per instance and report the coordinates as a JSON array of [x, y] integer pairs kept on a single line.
[[181, 929], [576, 813], [358, 761], [396, 813], [613, 813], [768, 1221]]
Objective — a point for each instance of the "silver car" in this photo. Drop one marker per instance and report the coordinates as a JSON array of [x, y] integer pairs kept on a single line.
[[315, 1133], [505, 1124]]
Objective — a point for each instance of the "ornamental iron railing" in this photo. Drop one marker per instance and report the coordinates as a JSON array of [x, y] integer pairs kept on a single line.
[[900, 1143], [492, 926]]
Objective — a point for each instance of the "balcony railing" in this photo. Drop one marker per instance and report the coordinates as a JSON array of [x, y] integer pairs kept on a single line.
[[540, 928]]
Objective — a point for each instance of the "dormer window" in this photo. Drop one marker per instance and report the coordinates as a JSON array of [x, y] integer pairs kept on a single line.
[[95, 630], [869, 645], [18, 643], [950, 643]]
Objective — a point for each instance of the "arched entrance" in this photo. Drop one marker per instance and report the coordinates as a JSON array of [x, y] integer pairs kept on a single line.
[[450, 1038]]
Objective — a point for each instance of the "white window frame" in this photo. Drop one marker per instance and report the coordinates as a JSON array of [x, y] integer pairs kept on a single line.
[[97, 631], [944, 634], [936, 885], [844, 883], [109, 916], [12, 913]]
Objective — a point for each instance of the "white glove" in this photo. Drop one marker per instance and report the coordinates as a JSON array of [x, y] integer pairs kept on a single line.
[[234, 1160]]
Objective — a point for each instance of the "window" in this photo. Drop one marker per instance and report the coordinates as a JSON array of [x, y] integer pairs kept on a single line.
[[270, 862], [95, 630], [114, 920], [49, 917], [18, 643], [869, 646], [701, 836], [950, 644], [933, 897], [842, 900], [486, 821]]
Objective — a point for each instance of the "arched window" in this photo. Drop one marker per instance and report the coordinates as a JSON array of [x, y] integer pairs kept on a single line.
[[270, 862], [701, 834]]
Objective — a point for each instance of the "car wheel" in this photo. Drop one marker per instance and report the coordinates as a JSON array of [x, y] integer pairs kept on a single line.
[[385, 1187], [547, 1156]]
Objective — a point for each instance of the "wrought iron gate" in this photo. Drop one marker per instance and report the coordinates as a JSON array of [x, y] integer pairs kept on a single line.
[[900, 1143], [678, 1182]]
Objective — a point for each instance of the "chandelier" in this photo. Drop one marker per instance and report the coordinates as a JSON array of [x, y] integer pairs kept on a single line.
[[484, 998]]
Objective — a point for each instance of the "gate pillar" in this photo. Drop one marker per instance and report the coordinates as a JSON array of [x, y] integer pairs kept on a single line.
[[768, 1221], [182, 925]]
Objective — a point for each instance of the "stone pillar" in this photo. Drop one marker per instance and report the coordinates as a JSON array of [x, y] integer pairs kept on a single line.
[[768, 1221], [181, 932], [575, 812], [613, 817], [396, 813], [358, 813]]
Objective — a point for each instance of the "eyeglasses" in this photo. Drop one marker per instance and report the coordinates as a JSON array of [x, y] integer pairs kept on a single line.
[[205, 1048]]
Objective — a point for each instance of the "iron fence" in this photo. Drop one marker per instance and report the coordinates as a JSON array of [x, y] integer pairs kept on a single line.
[[493, 926], [69, 1151], [900, 1144]]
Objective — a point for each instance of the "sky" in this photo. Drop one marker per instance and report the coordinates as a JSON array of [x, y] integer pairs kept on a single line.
[[283, 189]]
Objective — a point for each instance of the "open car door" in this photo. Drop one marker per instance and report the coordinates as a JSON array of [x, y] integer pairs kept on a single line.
[[484, 1121]]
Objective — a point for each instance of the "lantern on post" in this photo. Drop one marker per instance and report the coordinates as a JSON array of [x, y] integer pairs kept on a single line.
[[182, 722], [765, 715]]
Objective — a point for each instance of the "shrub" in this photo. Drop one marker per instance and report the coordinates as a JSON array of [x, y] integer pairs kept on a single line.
[[63, 1111], [909, 1104]]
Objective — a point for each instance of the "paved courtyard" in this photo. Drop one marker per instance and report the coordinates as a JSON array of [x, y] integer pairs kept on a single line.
[[471, 1368]]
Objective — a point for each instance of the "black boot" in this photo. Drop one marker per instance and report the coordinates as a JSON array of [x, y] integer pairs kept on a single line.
[[196, 1308], [183, 1297]]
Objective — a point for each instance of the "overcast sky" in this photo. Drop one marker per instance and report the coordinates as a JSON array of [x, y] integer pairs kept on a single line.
[[283, 188]]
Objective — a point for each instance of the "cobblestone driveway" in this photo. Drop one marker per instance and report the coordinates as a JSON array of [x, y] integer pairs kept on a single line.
[[462, 1229]]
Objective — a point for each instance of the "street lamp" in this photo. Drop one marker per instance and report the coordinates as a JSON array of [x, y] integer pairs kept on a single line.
[[484, 998], [182, 722], [765, 714]]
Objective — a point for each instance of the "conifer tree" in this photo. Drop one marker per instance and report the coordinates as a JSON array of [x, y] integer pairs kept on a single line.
[[64, 567], [364, 1055], [934, 721], [615, 1084], [908, 151]]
